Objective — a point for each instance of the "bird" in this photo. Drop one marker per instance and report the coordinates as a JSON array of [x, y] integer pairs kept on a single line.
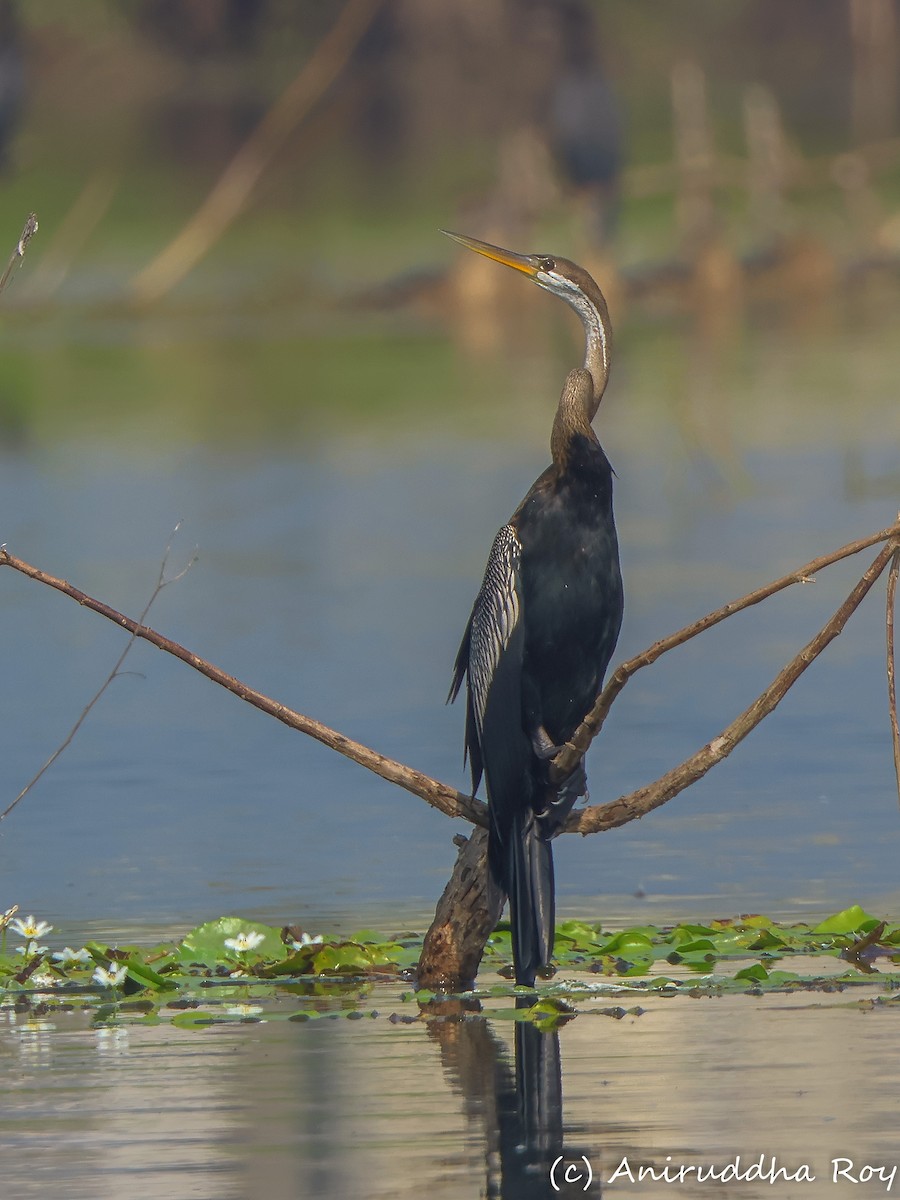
[[543, 628]]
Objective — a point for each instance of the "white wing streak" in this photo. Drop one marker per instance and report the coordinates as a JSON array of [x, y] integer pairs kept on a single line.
[[494, 618]]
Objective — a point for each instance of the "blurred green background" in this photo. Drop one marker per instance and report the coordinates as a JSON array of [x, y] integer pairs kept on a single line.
[[238, 312]]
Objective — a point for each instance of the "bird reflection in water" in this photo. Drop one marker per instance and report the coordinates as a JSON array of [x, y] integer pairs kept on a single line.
[[519, 1104]]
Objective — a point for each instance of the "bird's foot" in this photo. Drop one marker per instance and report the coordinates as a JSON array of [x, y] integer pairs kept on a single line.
[[573, 786], [564, 797]]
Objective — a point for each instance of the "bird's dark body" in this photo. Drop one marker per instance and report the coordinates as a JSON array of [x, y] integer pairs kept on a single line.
[[536, 648], [572, 590], [543, 628]]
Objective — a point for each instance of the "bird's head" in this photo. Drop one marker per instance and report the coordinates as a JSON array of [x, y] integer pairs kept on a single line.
[[558, 275], [571, 283]]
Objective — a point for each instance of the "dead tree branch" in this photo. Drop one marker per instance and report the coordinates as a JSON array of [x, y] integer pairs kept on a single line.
[[447, 799], [592, 724], [28, 232], [161, 582], [891, 661], [644, 800], [454, 803]]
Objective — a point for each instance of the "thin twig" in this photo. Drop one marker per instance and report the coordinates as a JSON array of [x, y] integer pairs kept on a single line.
[[29, 230], [891, 660], [234, 187], [569, 756], [69, 236], [161, 583], [637, 804]]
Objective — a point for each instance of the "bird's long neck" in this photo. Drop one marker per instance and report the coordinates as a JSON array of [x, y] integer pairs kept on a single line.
[[598, 337], [573, 417]]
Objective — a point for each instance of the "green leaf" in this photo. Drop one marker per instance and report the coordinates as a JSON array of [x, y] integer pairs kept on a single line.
[[690, 933], [141, 973], [757, 973], [579, 934], [851, 920], [633, 966], [701, 945], [767, 940], [193, 1019], [347, 958], [387, 954], [298, 963], [628, 941], [206, 943], [547, 1014]]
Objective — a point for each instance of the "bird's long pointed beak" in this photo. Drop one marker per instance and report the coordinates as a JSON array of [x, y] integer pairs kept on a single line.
[[520, 262]]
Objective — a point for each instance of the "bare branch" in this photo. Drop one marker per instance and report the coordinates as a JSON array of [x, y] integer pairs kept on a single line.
[[161, 583], [891, 661], [457, 804], [637, 804], [447, 799], [570, 754], [28, 232]]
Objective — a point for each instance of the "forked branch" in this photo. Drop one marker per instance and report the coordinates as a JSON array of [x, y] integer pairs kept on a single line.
[[592, 724], [595, 817], [644, 800]]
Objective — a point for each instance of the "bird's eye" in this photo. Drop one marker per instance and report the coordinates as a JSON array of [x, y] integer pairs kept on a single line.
[[547, 264]]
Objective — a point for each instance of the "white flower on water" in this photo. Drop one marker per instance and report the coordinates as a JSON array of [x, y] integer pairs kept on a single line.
[[30, 928], [32, 948], [109, 977], [306, 940], [68, 957], [244, 941]]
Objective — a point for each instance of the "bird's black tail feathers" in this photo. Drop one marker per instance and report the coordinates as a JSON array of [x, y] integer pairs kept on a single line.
[[522, 864]]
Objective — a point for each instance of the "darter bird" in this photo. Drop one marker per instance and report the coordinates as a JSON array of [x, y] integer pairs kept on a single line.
[[543, 628]]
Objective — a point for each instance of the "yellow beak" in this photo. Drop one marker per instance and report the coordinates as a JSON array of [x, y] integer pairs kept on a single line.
[[520, 262]]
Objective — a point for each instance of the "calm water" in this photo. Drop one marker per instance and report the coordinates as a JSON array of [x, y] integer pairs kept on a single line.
[[342, 479], [374, 1108], [342, 532]]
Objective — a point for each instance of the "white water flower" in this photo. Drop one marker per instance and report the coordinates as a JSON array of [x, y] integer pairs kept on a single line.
[[42, 979], [30, 928], [244, 941], [69, 957], [111, 977], [32, 948], [306, 940]]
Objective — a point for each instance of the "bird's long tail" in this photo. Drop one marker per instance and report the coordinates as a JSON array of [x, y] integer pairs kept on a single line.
[[523, 865]]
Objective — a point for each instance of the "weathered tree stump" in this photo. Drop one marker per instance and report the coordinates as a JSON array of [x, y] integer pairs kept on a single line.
[[465, 917]]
